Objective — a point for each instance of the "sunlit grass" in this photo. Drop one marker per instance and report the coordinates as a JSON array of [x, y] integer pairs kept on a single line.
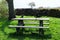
[[54, 28]]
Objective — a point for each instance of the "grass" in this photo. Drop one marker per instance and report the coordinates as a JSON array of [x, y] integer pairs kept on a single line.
[[6, 33]]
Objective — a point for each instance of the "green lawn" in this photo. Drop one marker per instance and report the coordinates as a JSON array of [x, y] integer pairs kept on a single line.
[[6, 33]]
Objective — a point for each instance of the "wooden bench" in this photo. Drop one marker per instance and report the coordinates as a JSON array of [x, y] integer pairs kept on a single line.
[[21, 24], [30, 23]]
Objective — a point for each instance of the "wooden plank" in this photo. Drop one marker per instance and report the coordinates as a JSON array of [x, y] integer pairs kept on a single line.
[[30, 19], [45, 23], [27, 26], [34, 23]]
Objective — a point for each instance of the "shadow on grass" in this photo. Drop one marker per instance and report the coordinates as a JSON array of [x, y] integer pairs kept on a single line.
[[5, 24], [35, 36]]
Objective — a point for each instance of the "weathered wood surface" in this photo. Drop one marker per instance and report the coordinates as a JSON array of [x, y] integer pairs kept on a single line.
[[27, 26], [30, 19]]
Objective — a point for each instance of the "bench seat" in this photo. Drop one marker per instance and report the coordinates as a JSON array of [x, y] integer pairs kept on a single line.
[[12, 26], [30, 18], [35, 23]]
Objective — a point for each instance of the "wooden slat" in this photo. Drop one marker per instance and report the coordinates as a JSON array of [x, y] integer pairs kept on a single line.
[[34, 23], [27, 26], [30, 19]]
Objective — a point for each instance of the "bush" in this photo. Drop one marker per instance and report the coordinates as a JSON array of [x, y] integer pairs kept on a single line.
[[3, 9]]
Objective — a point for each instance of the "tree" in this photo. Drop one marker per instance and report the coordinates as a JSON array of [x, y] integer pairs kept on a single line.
[[32, 4]]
